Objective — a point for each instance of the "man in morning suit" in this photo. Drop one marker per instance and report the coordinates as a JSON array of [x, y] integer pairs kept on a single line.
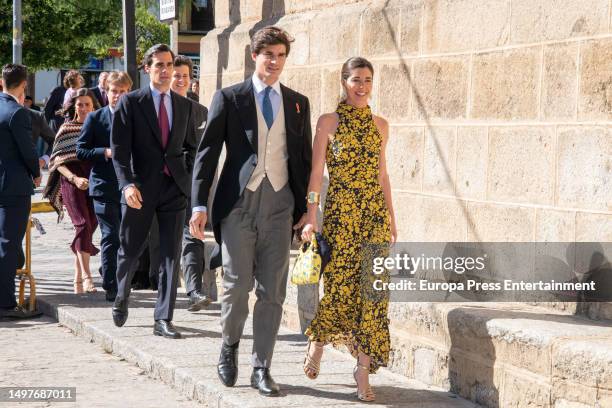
[[261, 193], [94, 146], [19, 172], [153, 145], [193, 248], [100, 90]]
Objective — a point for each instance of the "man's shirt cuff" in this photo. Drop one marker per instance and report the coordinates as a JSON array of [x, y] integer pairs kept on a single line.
[[201, 208]]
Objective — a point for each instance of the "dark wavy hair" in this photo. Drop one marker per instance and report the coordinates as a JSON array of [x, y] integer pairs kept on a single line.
[[70, 109]]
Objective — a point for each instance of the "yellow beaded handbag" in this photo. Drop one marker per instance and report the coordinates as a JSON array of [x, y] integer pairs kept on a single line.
[[307, 267]]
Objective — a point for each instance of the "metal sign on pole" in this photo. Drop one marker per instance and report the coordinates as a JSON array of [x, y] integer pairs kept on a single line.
[[168, 13], [17, 33], [168, 10]]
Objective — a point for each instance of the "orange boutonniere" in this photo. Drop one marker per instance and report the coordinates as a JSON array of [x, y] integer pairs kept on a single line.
[[297, 107]]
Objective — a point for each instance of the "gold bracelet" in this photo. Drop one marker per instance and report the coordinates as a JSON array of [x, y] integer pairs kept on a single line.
[[313, 197]]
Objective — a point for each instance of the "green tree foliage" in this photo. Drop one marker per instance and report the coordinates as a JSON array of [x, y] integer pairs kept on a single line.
[[65, 33]]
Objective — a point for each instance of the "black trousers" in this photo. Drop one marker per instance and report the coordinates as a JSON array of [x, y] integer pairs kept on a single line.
[[193, 258], [108, 213], [14, 213], [168, 203]]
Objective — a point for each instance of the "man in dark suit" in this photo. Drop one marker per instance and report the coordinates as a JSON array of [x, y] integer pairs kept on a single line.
[[19, 172], [100, 90], [153, 145], [193, 248], [41, 130], [54, 103], [260, 194], [94, 146]]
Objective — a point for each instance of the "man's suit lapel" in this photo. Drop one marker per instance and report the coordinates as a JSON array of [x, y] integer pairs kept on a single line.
[[245, 105], [148, 108], [292, 110]]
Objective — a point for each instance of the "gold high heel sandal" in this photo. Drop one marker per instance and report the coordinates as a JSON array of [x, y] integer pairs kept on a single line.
[[89, 285], [368, 395], [311, 367]]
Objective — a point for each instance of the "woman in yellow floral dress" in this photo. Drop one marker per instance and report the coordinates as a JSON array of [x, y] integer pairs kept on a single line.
[[358, 210]]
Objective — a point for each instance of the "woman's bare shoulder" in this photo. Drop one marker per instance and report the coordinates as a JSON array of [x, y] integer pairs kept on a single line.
[[328, 121]]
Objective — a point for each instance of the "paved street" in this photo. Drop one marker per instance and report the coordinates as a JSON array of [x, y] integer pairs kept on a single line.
[[129, 367]]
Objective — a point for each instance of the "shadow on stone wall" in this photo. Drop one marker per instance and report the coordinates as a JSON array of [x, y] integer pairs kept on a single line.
[[484, 392], [223, 40]]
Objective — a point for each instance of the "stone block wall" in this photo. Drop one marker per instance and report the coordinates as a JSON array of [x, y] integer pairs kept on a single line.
[[500, 111], [500, 114]]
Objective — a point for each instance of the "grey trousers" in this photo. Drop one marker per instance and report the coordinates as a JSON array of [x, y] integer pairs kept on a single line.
[[256, 238]]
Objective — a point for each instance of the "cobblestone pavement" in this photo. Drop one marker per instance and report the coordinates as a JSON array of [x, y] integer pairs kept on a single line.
[[188, 365], [42, 353]]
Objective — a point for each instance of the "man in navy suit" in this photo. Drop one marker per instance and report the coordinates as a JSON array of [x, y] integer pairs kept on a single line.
[[94, 145], [153, 145], [19, 172]]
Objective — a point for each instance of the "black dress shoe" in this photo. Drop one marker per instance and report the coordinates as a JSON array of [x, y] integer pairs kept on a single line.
[[227, 369], [166, 329], [19, 313], [111, 295], [262, 380], [120, 311], [197, 301]]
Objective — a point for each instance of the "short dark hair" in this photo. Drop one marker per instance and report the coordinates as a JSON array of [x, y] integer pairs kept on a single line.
[[13, 75], [157, 48], [270, 35], [181, 60], [70, 107]]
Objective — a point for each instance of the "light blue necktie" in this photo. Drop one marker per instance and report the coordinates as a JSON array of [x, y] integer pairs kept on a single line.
[[266, 108]]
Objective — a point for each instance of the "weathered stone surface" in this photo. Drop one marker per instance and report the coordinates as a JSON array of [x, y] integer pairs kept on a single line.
[[429, 219], [496, 223], [587, 362], [396, 92], [593, 227], [307, 82], [405, 158], [523, 392], [231, 79], [411, 15], [452, 25], [440, 87], [505, 84], [555, 226], [472, 157], [380, 31], [299, 28], [585, 167], [331, 89], [596, 81], [474, 380], [568, 394], [521, 164], [544, 20], [439, 160], [209, 53], [560, 81], [334, 34]]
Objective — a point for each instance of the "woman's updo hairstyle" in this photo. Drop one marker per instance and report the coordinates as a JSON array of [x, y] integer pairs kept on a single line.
[[351, 64]]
